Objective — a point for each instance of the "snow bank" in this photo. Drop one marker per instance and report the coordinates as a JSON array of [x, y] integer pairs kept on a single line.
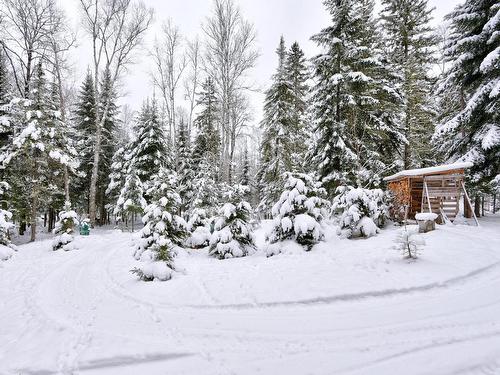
[[6, 252]]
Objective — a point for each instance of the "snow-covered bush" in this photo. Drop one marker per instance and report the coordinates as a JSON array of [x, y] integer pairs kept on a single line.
[[199, 228], [65, 229], [6, 247], [299, 212], [163, 231], [5, 227], [233, 234], [409, 242], [360, 212]]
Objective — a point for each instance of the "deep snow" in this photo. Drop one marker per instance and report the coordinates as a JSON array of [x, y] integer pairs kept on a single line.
[[346, 307]]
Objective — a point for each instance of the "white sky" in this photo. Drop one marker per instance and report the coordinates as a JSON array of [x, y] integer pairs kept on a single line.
[[296, 20]]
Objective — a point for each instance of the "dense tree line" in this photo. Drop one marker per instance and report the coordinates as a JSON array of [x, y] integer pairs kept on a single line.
[[367, 105]]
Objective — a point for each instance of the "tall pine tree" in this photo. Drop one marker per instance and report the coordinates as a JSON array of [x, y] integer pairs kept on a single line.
[[354, 99], [278, 136], [84, 125], [148, 151], [297, 75], [472, 131], [184, 167], [411, 42]]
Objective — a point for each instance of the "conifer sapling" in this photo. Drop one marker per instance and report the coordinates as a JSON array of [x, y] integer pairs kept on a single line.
[[65, 229], [299, 211]]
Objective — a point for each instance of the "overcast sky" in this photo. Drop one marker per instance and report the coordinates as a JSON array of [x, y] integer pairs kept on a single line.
[[296, 20]]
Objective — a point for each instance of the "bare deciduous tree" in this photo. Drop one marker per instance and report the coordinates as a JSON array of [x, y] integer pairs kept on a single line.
[[228, 57], [192, 81], [169, 62], [26, 36], [116, 28]]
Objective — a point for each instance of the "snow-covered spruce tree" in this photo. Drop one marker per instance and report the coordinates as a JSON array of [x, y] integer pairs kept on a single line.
[[354, 99], [163, 231], [38, 142], [299, 211], [245, 178], [277, 135], [84, 125], [207, 142], [203, 205], [198, 228], [472, 131], [119, 167], [184, 168], [411, 43], [232, 237], [360, 211], [65, 229], [297, 74], [149, 151], [131, 201]]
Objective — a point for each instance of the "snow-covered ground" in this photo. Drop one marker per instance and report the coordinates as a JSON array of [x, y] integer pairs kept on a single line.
[[347, 307]]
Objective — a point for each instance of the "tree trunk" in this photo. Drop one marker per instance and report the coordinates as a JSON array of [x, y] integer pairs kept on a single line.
[[22, 227], [477, 206], [33, 213], [52, 219], [95, 167]]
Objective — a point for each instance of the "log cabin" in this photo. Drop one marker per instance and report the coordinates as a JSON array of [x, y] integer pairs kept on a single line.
[[435, 189]]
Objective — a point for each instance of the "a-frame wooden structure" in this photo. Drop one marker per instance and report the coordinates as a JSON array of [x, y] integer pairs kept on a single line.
[[435, 189]]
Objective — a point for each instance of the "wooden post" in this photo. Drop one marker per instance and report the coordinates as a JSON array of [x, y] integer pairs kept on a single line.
[[477, 206]]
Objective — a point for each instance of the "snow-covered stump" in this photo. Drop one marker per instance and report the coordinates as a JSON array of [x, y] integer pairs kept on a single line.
[[426, 222]]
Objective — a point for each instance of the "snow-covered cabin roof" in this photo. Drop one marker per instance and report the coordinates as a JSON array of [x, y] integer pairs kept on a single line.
[[430, 170]]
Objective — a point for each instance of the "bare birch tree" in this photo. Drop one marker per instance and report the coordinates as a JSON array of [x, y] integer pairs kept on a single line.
[[169, 64], [193, 79], [116, 28], [229, 55]]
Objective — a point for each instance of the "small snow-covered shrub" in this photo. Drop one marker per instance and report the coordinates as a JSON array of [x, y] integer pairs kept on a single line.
[[198, 227], [299, 212], [64, 229], [5, 227], [6, 247], [233, 236], [409, 242], [360, 212], [163, 231]]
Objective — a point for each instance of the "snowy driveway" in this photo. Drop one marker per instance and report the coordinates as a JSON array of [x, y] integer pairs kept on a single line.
[[81, 312]]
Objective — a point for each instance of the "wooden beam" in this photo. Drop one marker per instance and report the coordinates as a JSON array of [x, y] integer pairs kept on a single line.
[[470, 204], [427, 194]]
